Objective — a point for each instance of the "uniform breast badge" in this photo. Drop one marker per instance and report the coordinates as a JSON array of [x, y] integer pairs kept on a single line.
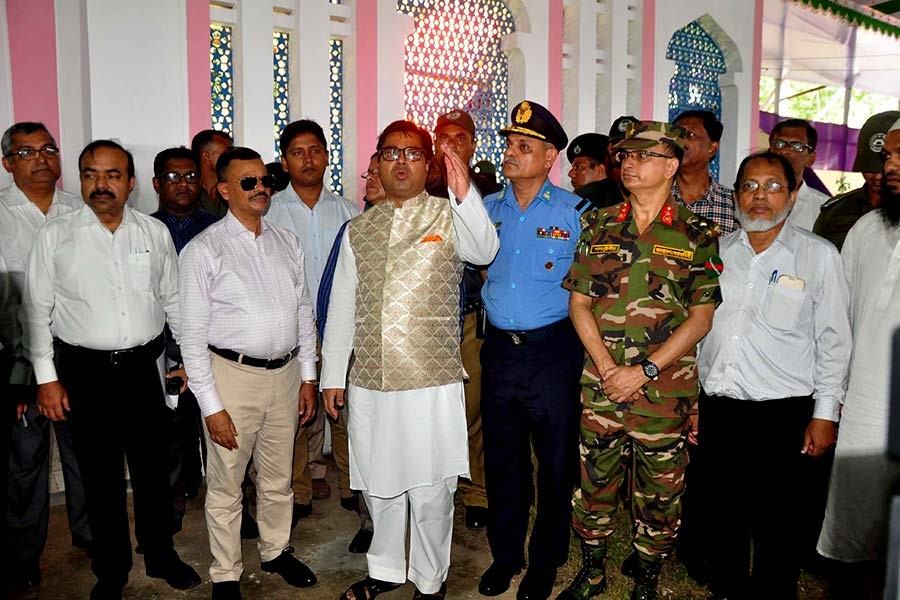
[[554, 233]]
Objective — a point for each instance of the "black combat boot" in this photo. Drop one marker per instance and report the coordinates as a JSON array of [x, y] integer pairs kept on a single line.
[[646, 581], [591, 579]]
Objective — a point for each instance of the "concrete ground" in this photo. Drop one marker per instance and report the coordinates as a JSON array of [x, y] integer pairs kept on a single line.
[[321, 542]]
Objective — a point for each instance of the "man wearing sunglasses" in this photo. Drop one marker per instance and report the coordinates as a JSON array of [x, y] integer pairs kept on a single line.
[[395, 306], [314, 214], [31, 156], [796, 139], [644, 286], [249, 347], [774, 369]]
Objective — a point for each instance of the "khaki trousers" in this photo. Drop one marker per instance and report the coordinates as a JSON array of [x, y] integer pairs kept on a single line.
[[309, 462], [472, 489], [264, 408]]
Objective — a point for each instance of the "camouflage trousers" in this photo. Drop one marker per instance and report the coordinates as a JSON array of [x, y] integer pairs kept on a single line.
[[655, 450]]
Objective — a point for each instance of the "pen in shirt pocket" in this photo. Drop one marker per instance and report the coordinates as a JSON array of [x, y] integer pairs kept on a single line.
[[774, 277]]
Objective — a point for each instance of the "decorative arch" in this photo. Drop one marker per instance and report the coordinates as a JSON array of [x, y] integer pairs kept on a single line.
[[454, 60], [702, 53]]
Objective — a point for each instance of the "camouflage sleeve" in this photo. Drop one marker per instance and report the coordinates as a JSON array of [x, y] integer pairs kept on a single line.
[[579, 278], [703, 286]]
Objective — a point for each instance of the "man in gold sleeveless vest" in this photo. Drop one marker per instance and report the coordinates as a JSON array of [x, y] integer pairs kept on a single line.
[[395, 306]]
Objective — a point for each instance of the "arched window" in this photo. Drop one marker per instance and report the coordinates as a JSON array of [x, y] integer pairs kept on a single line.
[[221, 78], [698, 63], [336, 115], [454, 60]]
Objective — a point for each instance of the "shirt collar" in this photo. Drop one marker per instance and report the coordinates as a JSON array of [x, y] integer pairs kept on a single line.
[[16, 197], [545, 194], [86, 217], [785, 237], [237, 229], [325, 196]]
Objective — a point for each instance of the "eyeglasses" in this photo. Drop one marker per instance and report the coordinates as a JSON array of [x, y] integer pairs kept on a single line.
[[638, 155], [174, 178], [772, 187], [798, 147], [32, 153], [392, 153], [366, 175], [249, 183]]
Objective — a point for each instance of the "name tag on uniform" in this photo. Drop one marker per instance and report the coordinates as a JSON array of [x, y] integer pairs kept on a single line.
[[791, 283], [673, 252], [603, 248]]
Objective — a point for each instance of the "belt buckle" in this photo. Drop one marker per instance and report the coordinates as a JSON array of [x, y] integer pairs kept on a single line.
[[516, 339], [273, 363]]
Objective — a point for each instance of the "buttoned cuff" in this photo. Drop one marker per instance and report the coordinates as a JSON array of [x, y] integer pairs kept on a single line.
[[827, 408], [45, 371], [208, 400], [308, 370]]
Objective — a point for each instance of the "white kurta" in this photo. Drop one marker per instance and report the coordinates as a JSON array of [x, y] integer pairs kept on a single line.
[[407, 439], [856, 519]]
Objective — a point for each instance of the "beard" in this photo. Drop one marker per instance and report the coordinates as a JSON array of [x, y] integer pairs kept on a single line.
[[751, 225], [890, 206]]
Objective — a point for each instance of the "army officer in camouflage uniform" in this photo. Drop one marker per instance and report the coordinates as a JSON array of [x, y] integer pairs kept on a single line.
[[644, 286]]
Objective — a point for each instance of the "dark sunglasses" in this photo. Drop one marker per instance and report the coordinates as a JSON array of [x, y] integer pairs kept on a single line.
[[250, 182]]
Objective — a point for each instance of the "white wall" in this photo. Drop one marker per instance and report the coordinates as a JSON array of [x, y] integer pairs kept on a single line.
[[73, 87], [138, 81]]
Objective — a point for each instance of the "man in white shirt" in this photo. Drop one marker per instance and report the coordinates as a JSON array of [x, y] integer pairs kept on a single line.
[[247, 315], [863, 479], [773, 369], [31, 155], [796, 139], [395, 305], [100, 284], [314, 214]]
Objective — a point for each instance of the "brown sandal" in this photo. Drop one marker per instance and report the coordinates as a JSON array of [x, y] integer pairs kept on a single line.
[[368, 588], [441, 593]]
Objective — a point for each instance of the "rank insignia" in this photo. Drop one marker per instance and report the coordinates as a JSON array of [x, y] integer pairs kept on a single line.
[[554, 233], [623, 212], [668, 213], [714, 266], [673, 252], [603, 248]]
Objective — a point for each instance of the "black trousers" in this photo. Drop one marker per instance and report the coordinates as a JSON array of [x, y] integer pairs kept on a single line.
[[28, 488], [118, 412], [186, 448], [755, 466], [530, 397]]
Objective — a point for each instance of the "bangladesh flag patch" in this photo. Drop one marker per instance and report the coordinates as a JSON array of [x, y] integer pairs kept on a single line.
[[714, 266]]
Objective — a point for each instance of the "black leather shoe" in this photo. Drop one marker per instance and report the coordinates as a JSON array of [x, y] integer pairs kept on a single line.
[[361, 542], [350, 503], [249, 528], [226, 590], [301, 511], [537, 584], [496, 580], [177, 573], [476, 517], [293, 571], [106, 590]]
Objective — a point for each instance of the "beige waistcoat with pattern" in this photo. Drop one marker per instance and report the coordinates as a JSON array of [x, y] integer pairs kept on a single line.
[[407, 296]]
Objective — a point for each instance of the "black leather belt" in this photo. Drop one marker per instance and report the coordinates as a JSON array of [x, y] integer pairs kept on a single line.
[[530, 336], [151, 349], [262, 363], [471, 306]]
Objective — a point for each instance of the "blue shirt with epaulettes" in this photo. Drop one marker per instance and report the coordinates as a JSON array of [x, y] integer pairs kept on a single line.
[[524, 289]]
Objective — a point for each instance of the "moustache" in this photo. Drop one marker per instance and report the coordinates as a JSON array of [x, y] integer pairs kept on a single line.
[[510, 161], [100, 193], [261, 194]]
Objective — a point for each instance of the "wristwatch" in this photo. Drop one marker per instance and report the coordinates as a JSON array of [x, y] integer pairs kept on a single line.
[[651, 371], [314, 382]]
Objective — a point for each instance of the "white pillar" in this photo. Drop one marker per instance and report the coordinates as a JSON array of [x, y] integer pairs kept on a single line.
[[393, 28], [74, 87], [254, 119]]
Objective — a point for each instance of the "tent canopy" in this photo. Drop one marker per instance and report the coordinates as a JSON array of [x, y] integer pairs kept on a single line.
[[814, 41]]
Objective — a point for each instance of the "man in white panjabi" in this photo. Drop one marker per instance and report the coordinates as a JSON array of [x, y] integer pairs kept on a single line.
[[395, 305], [863, 479]]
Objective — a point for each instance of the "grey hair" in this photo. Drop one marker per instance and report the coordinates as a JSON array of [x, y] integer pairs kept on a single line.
[[23, 128]]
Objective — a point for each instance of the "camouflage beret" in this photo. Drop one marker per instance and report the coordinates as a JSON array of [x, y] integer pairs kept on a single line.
[[646, 134]]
